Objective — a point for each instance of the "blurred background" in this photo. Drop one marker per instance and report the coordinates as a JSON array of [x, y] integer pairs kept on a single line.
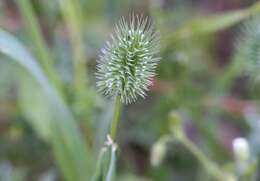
[[53, 122]]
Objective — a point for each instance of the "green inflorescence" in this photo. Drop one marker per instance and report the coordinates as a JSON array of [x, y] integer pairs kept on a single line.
[[248, 49], [127, 63]]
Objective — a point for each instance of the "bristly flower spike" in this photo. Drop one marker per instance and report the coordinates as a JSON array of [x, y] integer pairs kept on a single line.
[[127, 64], [248, 47]]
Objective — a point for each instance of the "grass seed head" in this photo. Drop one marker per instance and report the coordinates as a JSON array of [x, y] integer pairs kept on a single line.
[[128, 61]]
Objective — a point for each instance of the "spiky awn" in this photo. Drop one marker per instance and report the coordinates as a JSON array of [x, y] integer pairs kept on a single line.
[[128, 61]]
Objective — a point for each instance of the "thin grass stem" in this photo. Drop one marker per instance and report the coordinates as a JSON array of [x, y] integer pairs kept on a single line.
[[41, 50], [212, 168], [113, 128]]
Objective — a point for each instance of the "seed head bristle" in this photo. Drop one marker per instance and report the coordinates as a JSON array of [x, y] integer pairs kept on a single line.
[[248, 46], [127, 64]]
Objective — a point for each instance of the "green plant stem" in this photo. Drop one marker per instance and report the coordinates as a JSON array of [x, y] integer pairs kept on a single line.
[[70, 151], [72, 15], [209, 24], [115, 118], [71, 12], [41, 50], [209, 165]]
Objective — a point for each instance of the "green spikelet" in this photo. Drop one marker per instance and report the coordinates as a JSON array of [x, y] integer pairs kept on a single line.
[[248, 49], [127, 63]]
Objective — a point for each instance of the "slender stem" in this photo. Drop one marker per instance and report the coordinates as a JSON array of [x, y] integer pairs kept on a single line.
[[115, 119], [41, 49], [73, 18], [72, 15], [209, 165]]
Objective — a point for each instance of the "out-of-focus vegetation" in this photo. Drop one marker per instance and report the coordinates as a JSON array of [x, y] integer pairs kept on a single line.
[[54, 123]]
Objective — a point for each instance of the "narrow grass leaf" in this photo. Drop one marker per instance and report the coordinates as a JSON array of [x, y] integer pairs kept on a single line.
[[68, 145]]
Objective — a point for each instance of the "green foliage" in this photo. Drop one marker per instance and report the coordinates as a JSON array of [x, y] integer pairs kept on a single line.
[[106, 162], [41, 49], [64, 135], [206, 106]]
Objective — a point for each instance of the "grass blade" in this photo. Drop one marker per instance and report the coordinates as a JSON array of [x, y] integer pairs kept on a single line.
[[69, 148], [105, 167], [72, 16], [41, 50], [210, 24]]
